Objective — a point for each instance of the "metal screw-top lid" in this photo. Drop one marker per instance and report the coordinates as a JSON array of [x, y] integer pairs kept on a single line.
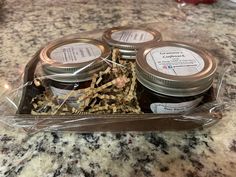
[[130, 37], [175, 69], [128, 57], [128, 52], [74, 60]]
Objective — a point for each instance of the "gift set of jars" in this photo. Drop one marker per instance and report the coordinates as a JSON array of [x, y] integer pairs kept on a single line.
[[172, 77]]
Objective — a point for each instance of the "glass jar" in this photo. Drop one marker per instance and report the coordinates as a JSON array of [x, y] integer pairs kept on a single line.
[[173, 77], [69, 64], [129, 39]]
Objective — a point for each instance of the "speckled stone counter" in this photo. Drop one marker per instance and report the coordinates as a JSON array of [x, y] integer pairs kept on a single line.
[[27, 25]]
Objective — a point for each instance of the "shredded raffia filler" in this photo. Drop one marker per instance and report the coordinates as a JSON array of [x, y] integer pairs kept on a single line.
[[111, 91]]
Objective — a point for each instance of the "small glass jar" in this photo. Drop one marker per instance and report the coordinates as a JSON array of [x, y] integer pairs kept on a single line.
[[173, 77], [69, 64], [129, 39]]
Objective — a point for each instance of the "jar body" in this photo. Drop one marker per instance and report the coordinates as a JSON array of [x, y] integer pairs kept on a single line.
[[63, 89], [153, 102]]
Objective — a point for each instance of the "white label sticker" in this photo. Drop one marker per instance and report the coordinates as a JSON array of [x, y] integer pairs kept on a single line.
[[132, 36], [175, 61], [75, 53], [71, 101], [174, 108]]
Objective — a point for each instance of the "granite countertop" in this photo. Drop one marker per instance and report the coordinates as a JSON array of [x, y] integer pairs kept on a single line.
[[27, 25]]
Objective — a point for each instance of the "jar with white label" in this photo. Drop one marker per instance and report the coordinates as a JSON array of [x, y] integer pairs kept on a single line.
[[129, 39], [173, 77], [69, 64]]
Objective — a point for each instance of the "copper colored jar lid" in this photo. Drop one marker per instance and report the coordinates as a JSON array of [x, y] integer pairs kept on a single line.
[[130, 38], [175, 69], [70, 60]]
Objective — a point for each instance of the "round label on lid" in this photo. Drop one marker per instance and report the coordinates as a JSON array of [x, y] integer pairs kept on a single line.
[[132, 36], [75, 53], [176, 61]]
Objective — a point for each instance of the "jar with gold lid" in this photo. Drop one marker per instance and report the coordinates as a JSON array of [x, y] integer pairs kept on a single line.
[[129, 39], [173, 77], [69, 64]]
